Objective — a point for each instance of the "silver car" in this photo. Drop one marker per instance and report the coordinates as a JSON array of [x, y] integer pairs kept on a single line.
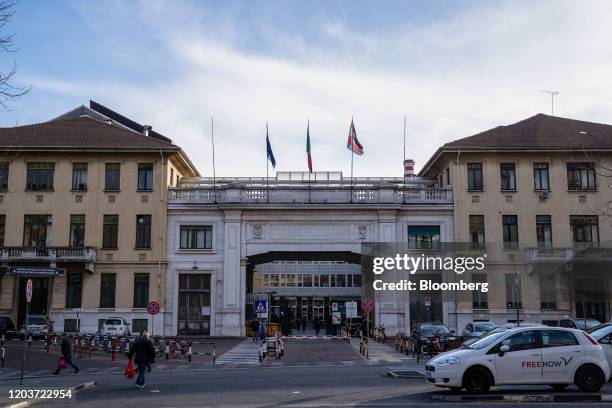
[[477, 329]]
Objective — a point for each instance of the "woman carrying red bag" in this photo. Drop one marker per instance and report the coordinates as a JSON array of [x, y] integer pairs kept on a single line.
[[143, 353], [66, 358]]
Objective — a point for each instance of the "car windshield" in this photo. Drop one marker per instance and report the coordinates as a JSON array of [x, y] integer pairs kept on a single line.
[[584, 324], [488, 339], [112, 322], [434, 328], [599, 333], [484, 327], [37, 320]]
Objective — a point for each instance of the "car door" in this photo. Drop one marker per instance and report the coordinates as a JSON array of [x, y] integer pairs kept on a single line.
[[523, 362], [561, 354]]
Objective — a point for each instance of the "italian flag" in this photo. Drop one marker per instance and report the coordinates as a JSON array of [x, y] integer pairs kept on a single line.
[[308, 148]]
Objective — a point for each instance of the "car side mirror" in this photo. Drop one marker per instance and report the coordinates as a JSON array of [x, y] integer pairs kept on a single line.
[[503, 350]]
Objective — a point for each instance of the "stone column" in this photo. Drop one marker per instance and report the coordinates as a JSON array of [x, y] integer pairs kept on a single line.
[[232, 307]]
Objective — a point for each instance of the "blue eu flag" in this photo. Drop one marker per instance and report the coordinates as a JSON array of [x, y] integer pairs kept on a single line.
[[269, 151]]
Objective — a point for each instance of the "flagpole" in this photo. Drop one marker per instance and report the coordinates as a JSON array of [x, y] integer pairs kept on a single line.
[[308, 135], [404, 163], [352, 156], [212, 135], [267, 166]]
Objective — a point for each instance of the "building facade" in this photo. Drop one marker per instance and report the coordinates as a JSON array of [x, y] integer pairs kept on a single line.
[[291, 241], [83, 214], [536, 196]]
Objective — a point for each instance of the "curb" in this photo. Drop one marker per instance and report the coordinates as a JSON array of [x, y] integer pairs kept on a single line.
[[405, 374], [522, 398], [75, 388]]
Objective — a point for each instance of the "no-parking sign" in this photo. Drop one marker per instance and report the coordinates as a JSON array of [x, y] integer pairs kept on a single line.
[[153, 308]]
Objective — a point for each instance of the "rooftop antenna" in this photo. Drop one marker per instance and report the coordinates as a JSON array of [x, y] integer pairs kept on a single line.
[[552, 100]]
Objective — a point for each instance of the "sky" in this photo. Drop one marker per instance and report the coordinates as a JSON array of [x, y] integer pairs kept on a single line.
[[452, 68]]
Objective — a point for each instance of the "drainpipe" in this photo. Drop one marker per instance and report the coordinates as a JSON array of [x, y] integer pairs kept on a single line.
[[161, 222], [455, 194]]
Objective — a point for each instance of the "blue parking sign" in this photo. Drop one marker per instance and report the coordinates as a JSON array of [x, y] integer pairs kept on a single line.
[[261, 308]]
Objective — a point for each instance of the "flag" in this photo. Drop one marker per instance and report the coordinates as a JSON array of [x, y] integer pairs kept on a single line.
[[269, 151], [308, 148], [353, 143]]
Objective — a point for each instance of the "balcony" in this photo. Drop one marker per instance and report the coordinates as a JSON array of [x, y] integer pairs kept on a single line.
[[281, 191], [583, 252], [53, 255]]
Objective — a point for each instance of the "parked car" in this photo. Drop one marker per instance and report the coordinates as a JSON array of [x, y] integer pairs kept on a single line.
[[579, 323], [38, 326], [477, 329], [424, 332], [7, 327], [115, 326], [540, 355], [603, 335]]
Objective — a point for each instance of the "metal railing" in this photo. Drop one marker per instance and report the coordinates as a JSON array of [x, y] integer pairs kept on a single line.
[[52, 254]]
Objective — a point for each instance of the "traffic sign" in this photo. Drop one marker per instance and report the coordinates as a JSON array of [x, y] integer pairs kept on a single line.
[[29, 291], [427, 301], [261, 306], [367, 304], [153, 308]]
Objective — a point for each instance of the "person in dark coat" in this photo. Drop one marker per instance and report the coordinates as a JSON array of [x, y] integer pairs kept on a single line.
[[143, 353], [317, 326], [255, 329], [66, 354]]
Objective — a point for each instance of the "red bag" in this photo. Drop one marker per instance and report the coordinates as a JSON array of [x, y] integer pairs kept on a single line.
[[129, 371], [62, 363]]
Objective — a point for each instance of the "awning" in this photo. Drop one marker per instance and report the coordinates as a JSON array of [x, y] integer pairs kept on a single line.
[[35, 272]]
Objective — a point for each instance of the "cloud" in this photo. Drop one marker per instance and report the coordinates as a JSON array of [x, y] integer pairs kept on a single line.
[[480, 68]]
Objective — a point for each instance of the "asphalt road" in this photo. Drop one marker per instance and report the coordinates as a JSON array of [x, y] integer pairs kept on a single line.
[[293, 386]]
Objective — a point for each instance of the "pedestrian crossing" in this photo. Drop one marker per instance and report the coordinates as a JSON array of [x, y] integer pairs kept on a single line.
[[381, 354], [245, 353]]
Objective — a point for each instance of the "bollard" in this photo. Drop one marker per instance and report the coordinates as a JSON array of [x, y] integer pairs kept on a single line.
[[214, 353], [2, 356], [2, 340], [30, 340], [167, 352], [189, 354]]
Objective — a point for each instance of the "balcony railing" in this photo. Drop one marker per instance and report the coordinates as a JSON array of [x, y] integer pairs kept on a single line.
[[583, 252], [328, 192], [48, 254]]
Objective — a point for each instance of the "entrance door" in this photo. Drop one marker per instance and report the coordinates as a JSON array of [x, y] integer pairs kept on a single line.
[[40, 295], [194, 304], [318, 310]]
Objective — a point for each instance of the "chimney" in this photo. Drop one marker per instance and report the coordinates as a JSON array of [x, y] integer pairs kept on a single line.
[[146, 129]]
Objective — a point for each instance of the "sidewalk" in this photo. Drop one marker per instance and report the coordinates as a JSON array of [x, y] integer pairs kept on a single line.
[[383, 354]]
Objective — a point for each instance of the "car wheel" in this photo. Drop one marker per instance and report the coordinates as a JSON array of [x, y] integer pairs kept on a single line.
[[559, 387], [476, 380], [589, 378]]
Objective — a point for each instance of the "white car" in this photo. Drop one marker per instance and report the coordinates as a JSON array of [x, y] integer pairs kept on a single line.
[[603, 335], [115, 326], [523, 355]]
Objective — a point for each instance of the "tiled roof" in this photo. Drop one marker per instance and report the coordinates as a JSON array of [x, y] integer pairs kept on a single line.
[[540, 132], [79, 133]]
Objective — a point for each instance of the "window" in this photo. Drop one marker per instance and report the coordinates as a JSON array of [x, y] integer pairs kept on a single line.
[[196, 237], [447, 173], [423, 237], [526, 340], [548, 291], [477, 233], [71, 325], [108, 282], [324, 280], [4, 176], [77, 231], [480, 300], [145, 176], [585, 228], [37, 231], [2, 229], [141, 290], [475, 176], [513, 291], [308, 280], [40, 176], [139, 325], [74, 290], [143, 231], [544, 231], [172, 177], [110, 231], [357, 281], [540, 177], [507, 172], [79, 176], [341, 281], [112, 177], [558, 338], [510, 229], [581, 176]]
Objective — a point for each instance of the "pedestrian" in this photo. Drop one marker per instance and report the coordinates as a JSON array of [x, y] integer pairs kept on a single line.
[[303, 323], [255, 329], [143, 353], [317, 326], [66, 355], [261, 332]]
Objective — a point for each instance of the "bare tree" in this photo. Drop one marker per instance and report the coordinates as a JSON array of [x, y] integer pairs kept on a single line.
[[8, 91]]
